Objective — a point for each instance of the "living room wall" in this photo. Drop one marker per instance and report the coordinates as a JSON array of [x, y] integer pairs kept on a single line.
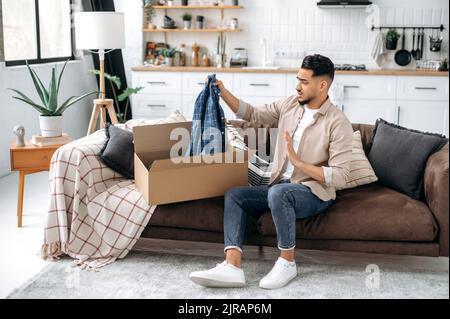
[[76, 81]]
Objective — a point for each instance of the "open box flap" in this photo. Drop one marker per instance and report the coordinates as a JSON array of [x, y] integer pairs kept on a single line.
[[156, 137]]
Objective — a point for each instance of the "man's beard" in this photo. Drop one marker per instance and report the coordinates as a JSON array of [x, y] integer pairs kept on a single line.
[[303, 102]]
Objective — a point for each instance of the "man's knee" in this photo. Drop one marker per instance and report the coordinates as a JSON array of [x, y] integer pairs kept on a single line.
[[277, 195], [236, 194]]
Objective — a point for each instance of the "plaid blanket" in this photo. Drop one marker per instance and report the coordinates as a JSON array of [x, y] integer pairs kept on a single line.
[[95, 215]]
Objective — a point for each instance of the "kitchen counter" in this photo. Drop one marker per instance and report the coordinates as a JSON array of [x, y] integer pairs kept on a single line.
[[286, 70]]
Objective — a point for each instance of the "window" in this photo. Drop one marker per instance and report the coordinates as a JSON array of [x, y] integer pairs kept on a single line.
[[36, 30]]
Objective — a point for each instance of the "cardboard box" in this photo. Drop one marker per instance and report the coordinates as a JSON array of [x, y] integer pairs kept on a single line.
[[163, 181]]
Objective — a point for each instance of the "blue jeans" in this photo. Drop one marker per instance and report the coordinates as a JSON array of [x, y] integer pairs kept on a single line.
[[286, 201]]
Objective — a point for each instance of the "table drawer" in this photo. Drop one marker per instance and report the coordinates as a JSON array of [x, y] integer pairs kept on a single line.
[[260, 85], [422, 88], [155, 107], [35, 159], [158, 83]]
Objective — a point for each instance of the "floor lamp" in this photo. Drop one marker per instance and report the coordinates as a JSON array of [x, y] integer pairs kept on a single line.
[[100, 31]]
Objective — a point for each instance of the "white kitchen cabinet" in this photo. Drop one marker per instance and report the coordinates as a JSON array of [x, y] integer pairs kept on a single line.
[[194, 82], [367, 87], [422, 88], [158, 82], [417, 102], [422, 103], [155, 106], [291, 84], [246, 84], [368, 111], [427, 116]]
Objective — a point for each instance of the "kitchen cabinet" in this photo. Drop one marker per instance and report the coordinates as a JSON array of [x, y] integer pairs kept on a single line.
[[417, 102], [155, 106], [427, 116], [367, 111], [422, 104], [260, 85]]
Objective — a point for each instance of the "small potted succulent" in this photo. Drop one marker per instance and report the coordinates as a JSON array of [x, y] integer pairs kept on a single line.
[[51, 110], [187, 17], [392, 37], [168, 55]]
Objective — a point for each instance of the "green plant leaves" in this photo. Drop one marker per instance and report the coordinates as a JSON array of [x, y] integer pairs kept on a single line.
[[60, 75], [71, 100], [114, 79], [48, 97], [40, 89], [53, 93], [127, 92]]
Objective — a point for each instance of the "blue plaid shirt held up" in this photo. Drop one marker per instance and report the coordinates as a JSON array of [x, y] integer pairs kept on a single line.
[[208, 122]]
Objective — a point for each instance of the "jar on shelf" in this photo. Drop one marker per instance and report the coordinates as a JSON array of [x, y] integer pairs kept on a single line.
[[234, 24], [195, 49]]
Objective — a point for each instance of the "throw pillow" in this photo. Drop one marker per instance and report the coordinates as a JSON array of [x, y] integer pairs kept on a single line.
[[118, 151], [399, 156], [361, 172]]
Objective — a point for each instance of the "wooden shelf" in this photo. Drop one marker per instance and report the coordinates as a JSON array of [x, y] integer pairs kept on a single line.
[[191, 30], [198, 7]]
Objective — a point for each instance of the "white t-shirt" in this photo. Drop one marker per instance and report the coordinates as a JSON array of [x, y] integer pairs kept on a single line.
[[305, 121]]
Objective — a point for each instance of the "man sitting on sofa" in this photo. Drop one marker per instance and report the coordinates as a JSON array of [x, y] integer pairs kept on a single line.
[[306, 170]]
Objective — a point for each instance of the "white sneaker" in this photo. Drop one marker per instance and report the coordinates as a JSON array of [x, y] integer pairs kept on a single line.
[[280, 275], [221, 276]]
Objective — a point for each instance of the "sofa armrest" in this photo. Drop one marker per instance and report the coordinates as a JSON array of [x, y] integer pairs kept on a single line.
[[436, 182]]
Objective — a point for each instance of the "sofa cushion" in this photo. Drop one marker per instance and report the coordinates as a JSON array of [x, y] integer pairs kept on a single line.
[[399, 156], [369, 212], [118, 151], [204, 214], [361, 172]]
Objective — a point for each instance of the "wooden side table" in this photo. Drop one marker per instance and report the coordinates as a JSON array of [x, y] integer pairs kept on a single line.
[[27, 160]]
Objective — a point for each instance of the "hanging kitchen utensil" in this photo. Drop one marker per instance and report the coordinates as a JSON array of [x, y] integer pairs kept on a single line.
[[422, 39], [418, 52], [403, 57], [413, 51], [435, 43]]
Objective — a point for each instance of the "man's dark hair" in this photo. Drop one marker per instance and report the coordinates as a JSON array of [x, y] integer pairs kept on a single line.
[[319, 64]]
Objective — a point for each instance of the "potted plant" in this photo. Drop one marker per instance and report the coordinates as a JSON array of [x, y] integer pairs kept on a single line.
[[51, 119], [149, 12], [392, 37], [168, 55], [115, 84], [200, 22], [187, 17]]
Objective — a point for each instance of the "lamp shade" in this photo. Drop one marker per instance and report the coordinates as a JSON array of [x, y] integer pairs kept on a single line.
[[99, 30]]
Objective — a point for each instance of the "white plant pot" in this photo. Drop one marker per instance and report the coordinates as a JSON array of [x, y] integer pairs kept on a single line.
[[51, 126], [187, 24]]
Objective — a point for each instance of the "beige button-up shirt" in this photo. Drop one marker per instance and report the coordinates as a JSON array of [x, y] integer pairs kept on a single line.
[[326, 142]]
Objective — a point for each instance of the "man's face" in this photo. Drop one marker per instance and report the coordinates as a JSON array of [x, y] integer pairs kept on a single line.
[[309, 87]]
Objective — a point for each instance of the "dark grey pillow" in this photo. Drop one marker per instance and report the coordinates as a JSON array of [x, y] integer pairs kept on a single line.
[[399, 155], [118, 151]]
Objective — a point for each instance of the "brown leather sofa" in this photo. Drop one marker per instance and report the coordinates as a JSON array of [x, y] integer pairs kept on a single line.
[[370, 218]]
